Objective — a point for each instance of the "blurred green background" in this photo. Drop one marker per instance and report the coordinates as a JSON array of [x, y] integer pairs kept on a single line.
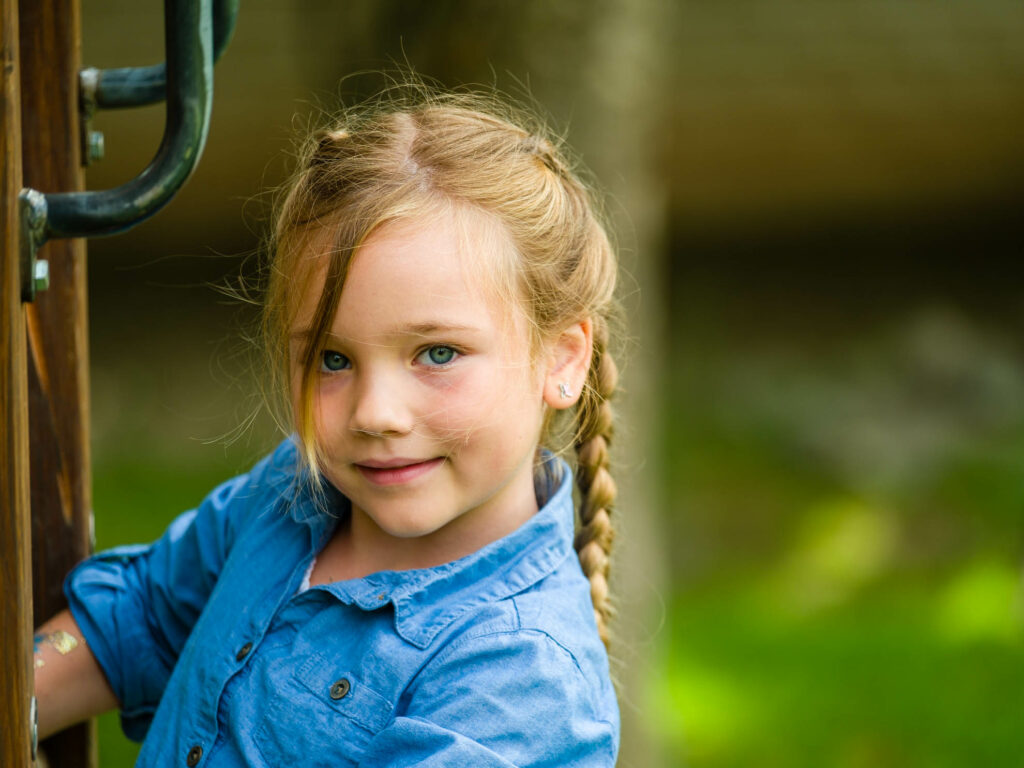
[[818, 205]]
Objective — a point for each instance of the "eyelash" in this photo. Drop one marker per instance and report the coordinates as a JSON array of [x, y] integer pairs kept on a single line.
[[456, 354], [323, 362]]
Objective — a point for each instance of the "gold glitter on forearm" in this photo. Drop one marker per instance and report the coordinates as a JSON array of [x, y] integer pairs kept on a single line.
[[63, 642]]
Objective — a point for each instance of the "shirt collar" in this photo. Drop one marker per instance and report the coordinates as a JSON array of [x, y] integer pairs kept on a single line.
[[429, 599]]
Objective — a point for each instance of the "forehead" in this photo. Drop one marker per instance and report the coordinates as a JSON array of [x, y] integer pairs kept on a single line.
[[415, 274]]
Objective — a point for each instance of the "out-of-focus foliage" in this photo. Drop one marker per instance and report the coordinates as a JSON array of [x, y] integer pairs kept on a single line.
[[848, 529]]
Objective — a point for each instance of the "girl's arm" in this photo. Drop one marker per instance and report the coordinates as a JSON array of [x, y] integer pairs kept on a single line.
[[132, 608], [69, 684]]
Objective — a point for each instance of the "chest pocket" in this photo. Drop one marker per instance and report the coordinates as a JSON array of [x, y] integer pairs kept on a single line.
[[324, 716]]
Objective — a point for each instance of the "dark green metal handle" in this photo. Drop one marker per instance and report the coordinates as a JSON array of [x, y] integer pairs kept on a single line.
[[138, 86], [189, 99], [187, 31]]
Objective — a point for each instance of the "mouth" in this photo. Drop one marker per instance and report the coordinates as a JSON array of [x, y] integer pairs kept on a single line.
[[396, 471]]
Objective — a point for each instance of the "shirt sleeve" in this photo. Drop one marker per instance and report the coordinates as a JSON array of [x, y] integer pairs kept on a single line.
[[507, 699], [136, 605]]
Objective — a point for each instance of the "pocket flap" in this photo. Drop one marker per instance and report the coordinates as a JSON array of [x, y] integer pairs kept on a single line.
[[340, 688]]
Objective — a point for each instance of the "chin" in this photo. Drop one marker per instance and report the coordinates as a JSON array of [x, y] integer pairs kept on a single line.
[[406, 526]]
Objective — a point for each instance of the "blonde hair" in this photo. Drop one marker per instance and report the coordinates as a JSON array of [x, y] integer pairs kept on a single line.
[[406, 159]]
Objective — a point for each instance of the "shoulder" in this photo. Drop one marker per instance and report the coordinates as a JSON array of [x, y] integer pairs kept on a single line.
[[531, 675], [555, 612], [532, 658]]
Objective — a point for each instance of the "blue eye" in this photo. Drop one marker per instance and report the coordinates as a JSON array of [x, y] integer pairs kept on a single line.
[[331, 361], [439, 354]]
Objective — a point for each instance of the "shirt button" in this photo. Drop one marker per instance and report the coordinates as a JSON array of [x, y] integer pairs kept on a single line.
[[243, 651], [194, 756], [340, 689]]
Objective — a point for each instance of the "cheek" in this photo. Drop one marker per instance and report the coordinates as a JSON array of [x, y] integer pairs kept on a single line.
[[456, 408], [297, 409], [327, 409], [498, 406]]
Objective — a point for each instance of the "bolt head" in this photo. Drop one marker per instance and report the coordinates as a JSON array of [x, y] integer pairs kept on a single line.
[[96, 146], [41, 275]]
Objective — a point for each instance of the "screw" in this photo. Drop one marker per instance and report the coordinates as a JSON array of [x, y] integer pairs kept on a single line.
[[41, 275], [96, 147], [33, 716]]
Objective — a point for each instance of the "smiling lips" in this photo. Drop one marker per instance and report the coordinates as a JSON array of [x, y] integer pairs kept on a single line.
[[396, 471]]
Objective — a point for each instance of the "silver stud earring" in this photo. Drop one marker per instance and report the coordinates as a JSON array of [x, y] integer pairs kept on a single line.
[[563, 391]]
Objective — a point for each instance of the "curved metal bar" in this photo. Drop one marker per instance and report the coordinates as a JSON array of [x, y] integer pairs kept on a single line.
[[138, 86], [189, 99]]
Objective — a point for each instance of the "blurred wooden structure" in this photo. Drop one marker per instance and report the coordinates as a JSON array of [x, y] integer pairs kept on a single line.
[[45, 378], [16, 597]]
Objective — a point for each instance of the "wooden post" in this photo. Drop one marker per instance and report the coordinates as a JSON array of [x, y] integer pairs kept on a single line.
[[58, 373], [15, 584]]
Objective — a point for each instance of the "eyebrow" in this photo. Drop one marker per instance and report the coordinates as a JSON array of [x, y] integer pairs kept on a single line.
[[416, 329], [428, 328]]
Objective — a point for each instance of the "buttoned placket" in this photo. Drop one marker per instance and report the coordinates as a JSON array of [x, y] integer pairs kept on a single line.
[[196, 751]]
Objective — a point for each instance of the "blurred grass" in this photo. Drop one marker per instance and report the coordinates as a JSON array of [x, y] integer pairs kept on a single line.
[[875, 682], [847, 517]]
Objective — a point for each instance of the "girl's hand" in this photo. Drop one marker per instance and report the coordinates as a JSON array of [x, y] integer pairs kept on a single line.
[[69, 684]]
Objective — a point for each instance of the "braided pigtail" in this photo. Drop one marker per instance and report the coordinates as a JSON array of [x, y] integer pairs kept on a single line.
[[593, 477]]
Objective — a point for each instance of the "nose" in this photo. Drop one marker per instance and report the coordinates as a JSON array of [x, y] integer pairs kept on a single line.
[[380, 409]]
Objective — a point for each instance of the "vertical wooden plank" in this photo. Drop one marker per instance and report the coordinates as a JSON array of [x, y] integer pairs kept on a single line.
[[15, 584], [57, 329]]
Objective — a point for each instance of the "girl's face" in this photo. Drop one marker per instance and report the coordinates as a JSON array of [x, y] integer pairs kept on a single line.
[[427, 405]]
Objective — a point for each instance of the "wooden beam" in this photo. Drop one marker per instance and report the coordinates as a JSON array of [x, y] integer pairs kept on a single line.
[[58, 374], [15, 583]]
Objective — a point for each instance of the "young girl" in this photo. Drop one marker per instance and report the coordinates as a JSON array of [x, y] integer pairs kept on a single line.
[[395, 584]]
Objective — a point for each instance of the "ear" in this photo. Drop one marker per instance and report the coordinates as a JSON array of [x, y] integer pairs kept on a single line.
[[568, 362]]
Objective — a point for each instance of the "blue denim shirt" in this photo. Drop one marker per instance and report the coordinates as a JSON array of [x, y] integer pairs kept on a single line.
[[219, 659]]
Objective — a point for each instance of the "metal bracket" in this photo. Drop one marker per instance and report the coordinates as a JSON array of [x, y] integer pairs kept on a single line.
[[88, 82], [35, 273], [189, 96], [139, 86]]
